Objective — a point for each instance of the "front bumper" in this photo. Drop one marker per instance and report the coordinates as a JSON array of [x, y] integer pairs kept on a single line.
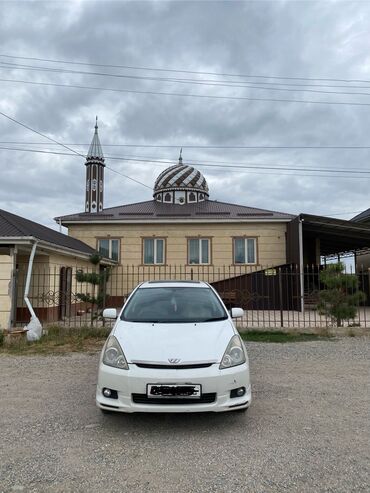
[[132, 383]]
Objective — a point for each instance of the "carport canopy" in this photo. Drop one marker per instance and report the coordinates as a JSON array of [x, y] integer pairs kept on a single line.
[[328, 237], [336, 236]]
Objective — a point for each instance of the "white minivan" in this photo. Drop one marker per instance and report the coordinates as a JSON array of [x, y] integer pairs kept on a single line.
[[173, 348]]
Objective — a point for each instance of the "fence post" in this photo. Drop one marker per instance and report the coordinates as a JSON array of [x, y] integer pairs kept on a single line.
[[281, 298], [104, 287]]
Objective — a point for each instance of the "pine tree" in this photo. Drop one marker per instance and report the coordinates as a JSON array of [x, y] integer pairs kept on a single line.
[[341, 296], [97, 279]]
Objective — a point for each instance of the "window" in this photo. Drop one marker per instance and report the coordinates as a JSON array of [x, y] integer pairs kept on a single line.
[[245, 250], [199, 251], [109, 248], [168, 197], [192, 197], [153, 250]]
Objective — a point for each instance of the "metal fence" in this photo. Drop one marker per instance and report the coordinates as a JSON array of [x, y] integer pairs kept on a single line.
[[275, 297]]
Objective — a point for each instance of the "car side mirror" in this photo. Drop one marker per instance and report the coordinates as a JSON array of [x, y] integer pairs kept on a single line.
[[109, 313], [237, 312]]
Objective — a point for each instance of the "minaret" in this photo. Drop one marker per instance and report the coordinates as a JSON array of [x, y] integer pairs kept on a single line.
[[94, 175]]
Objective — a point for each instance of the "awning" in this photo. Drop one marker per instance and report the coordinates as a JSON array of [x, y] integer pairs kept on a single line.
[[337, 236]]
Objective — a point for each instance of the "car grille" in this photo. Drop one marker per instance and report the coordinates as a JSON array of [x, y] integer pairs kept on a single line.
[[144, 399], [173, 367]]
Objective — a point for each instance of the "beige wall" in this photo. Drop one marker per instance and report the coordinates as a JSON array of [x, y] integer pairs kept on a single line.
[[270, 239], [45, 280], [6, 264], [270, 250]]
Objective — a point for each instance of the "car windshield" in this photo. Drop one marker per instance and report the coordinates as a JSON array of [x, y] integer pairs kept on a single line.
[[173, 304]]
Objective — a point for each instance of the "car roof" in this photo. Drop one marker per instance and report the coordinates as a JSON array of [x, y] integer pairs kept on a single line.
[[174, 284]]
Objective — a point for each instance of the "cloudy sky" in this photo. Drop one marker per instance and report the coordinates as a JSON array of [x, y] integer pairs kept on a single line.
[[226, 80]]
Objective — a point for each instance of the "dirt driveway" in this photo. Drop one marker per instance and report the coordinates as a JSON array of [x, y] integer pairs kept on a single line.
[[307, 430]]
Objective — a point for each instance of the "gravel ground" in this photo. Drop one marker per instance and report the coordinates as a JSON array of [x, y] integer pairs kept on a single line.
[[307, 429]]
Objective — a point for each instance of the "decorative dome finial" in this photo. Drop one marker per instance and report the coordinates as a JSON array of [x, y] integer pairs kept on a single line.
[[180, 184]]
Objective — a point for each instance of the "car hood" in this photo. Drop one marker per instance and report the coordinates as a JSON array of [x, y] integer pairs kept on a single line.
[[187, 342]]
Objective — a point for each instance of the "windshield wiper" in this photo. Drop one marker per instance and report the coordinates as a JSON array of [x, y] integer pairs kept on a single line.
[[214, 319]]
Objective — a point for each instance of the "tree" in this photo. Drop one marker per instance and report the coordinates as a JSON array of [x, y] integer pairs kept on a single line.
[[341, 296], [95, 279]]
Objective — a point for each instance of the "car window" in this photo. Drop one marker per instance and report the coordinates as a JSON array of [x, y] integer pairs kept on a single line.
[[173, 304]]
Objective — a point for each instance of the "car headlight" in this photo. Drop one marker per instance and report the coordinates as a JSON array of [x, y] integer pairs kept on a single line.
[[113, 354], [234, 354]]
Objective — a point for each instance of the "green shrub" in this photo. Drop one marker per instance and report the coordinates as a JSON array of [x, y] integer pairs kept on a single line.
[[2, 337], [341, 296]]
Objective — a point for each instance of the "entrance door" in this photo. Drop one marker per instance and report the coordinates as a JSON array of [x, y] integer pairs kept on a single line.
[[65, 292]]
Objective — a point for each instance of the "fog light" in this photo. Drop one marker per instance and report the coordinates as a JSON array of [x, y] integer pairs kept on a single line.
[[237, 392], [107, 392]]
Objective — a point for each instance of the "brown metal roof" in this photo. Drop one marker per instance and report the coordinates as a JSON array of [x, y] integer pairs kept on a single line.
[[362, 217], [336, 235], [157, 211], [13, 226]]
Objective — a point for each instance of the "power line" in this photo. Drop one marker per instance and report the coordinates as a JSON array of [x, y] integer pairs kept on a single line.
[[231, 84], [130, 67], [66, 147], [231, 167], [39, 133], [197, 146], [201, 96], [216, 164]]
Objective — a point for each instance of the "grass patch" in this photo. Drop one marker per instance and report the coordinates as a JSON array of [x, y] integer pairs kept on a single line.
[[59, 340], [266, 336]]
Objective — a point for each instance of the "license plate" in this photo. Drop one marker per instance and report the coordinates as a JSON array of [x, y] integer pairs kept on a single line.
[[171, 390]]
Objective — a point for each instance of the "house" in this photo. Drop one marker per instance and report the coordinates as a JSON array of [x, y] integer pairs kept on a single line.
[[57, 257], [181, 225], [179, 232], [182, 232]]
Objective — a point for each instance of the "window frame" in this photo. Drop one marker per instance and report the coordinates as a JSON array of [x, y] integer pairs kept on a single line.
[[170, 194], [199, 238], [154, 238], [246, 238], [195, 198], [109, 239]]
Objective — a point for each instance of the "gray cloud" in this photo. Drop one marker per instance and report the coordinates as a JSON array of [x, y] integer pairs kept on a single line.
[[297, 39]]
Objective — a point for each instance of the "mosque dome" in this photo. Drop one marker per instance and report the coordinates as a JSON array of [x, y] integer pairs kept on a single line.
[[180, 184]]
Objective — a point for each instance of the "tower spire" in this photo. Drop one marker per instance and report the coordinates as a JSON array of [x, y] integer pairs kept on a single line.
[[180, 156], [95, 149], [94, 174]]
